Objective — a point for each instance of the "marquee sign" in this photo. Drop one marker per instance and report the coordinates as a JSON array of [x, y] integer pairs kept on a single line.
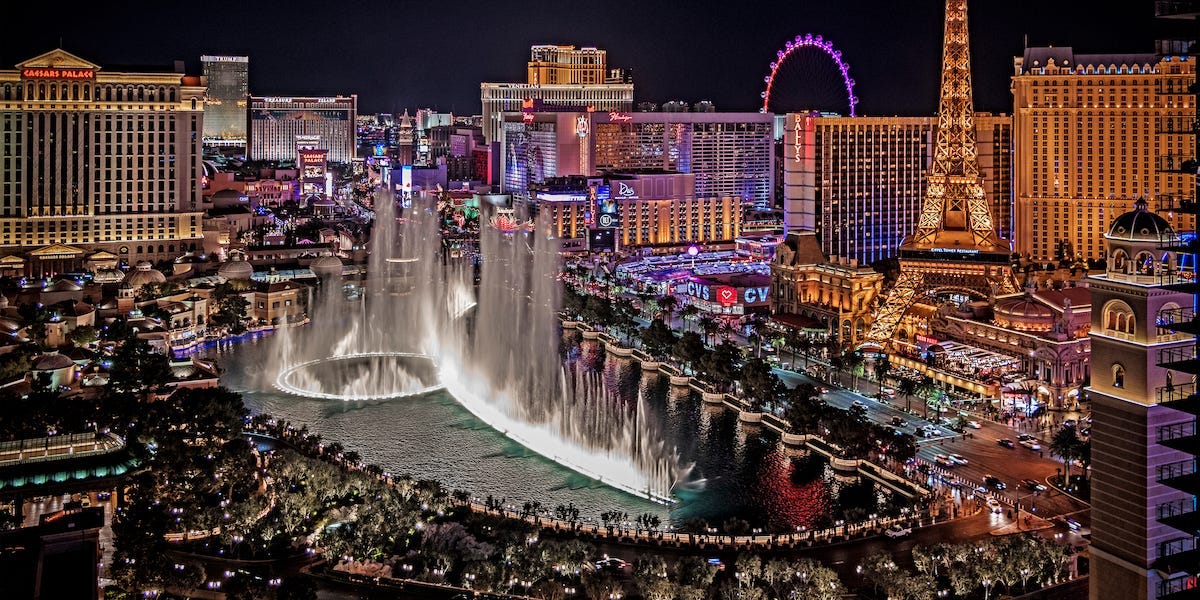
[[58, 73], [616, 117]]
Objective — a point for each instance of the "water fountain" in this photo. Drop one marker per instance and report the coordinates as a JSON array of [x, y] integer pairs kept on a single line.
[[419, 329]]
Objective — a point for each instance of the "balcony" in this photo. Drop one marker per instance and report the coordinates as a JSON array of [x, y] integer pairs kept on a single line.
[[1181, 397], [1177, 9], [1179, 358], [1179, 436], [1180, 475], [1178, 556], [1182, 320], [1174, 47], [1177, 163], [1180, 514], [1182, 241], [1180, 588]]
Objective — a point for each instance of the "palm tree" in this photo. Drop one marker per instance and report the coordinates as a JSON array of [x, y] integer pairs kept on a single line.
[[908, 387], [1065, 445], [925, 390], [853, 362], [689, 313], [709, 326], [668, 303], [727, 328]]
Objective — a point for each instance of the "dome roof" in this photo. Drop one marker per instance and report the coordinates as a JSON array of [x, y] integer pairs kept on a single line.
[[236, 269], [51, 362], [326, 266], [1140, 224], [108, 276], [1023, 313], [142, 274]]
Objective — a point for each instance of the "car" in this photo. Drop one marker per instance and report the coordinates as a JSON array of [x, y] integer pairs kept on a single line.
[[888, 392], [993, 482], [944, 460], [1007, 443], [896, 531], [716, 562], [610, 564], [858, 403], [1072, 524], [1034, 485], [981, 491], [1031, 444], [974, 425], [958, 458], [899, 421], [994, 505], [824, 390], [1025, 436], [1069, 423]]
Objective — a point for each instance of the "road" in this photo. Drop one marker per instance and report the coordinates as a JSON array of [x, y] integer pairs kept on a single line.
[[980, 448]]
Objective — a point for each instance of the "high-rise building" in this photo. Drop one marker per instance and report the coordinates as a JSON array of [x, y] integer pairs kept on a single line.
[[1093, 133], [860, 181], [98, 159], [280, 126], [552, 64], [227, 80], [1143, 485], [731, 155], [636, 209], [521, 98], [558, 76]]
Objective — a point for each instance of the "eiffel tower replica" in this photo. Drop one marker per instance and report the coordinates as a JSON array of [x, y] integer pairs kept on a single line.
[[955, 247]]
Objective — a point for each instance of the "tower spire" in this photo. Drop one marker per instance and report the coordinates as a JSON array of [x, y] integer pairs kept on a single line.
[[954, 198]]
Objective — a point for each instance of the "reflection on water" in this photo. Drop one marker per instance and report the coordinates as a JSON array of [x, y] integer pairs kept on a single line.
[[743, 470]]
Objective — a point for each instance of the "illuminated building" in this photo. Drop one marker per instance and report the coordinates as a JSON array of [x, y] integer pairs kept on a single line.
[[1092, 133], [860, 181], [1144, 406], [636, 209], [558, 77], [731, 155], [227, 81], [551, 64], [98, 160], [809, 292], [280, 126]]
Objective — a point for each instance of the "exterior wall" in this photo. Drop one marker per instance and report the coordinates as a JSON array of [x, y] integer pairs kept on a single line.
[[227, 81], [1090, 139], [500, 98], [553, 65], [108, 162], [274, 123], [860, 181]]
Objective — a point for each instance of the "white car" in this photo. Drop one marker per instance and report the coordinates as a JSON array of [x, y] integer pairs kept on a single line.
[[994, 505], [944, 460], [974, 425], [896, 531], [958, 458], [1031, 444]]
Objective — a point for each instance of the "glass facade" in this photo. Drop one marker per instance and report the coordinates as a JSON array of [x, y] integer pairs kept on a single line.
[[225, 101]]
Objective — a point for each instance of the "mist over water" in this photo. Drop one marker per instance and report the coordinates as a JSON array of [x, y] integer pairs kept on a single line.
[[419, 327]]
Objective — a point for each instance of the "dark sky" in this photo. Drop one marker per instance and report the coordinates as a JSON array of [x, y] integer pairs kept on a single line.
[[398, 54]]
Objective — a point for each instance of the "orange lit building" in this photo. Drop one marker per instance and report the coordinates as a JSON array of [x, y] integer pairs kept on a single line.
[[1091, 134]]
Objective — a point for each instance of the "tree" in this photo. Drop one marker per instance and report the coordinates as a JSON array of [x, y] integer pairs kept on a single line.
[[760, 386], [84, 335], [657, 339], [231, 308], [907, 387], [926, 389], [853, 362], [136, 367], [1065, 445], [688, 349], [689, 313], [33, 318], [883, 366], [668, 303], [805, 409], [709, 325]]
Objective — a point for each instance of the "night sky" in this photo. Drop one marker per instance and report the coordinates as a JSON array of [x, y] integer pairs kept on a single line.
[[400, 54]]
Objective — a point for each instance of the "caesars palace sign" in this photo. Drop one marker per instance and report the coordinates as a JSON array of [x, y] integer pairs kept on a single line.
[[58, 74]]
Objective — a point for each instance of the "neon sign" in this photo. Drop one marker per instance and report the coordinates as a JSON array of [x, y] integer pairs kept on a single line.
[[617, 117], [625, 190], [582, 126], [726, 295], [58, 74], [527, 117]]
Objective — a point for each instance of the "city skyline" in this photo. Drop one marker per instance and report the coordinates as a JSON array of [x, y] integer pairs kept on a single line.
[[390, 62]]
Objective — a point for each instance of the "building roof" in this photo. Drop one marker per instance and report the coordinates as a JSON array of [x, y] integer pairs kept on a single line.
[[1065, 57], [1079, 297], [1140, 224], [51, 362]]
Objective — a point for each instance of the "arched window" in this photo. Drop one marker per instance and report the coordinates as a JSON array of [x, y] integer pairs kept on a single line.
[[1165, 317], [1118, 373], [1119, 318], [1144, 264]]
